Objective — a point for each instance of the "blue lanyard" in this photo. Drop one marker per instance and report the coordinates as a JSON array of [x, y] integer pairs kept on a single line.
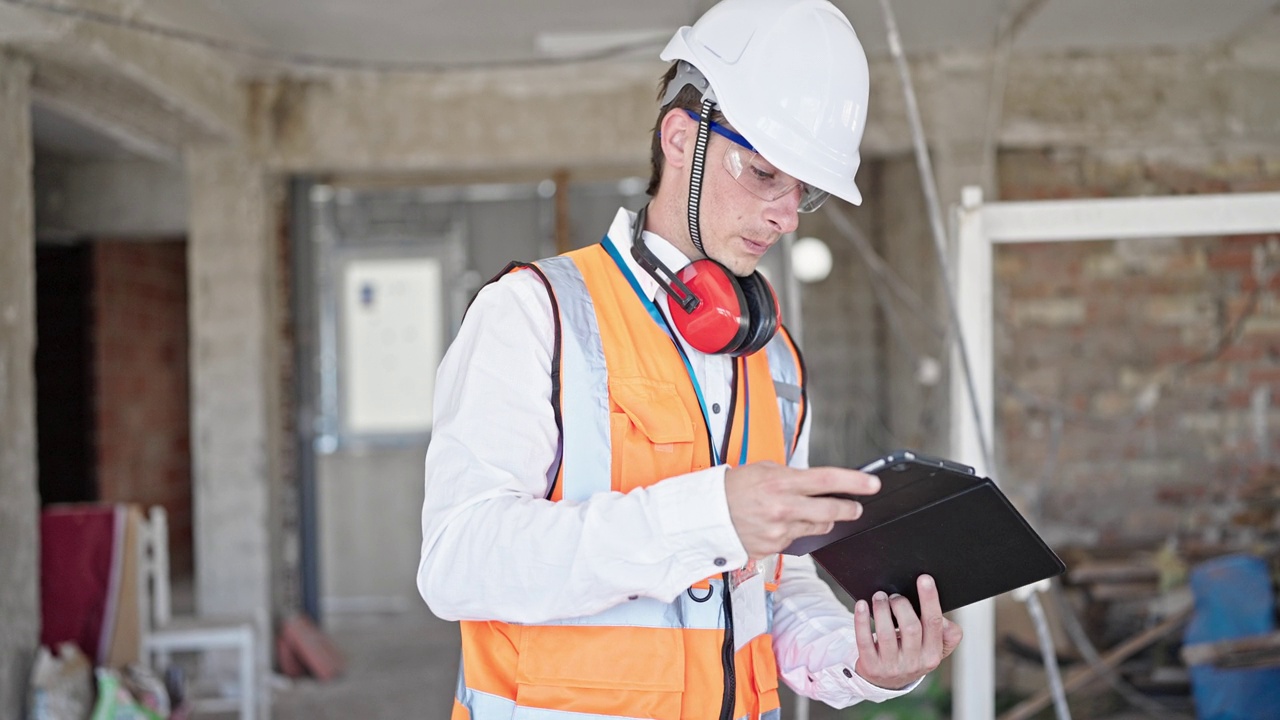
[[697, 389]]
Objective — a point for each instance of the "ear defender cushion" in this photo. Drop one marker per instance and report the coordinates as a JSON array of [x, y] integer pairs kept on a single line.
[[720, 322], [763, 313]]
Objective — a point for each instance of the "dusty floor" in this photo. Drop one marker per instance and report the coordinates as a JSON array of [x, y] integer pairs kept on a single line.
[[398, 666]]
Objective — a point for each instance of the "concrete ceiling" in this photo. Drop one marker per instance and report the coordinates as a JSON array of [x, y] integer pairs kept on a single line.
[[469, 32], [454, 31], [59, 136]]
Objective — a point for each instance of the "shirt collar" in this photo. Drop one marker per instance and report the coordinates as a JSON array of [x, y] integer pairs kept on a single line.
[[668, 254]]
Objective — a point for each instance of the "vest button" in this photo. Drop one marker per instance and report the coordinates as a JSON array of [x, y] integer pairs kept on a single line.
[[720, 562]]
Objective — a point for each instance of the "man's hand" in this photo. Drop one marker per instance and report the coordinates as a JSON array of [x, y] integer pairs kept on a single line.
[[895, 660], [772, 505]]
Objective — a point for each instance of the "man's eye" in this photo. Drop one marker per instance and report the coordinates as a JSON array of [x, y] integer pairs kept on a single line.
[[761, 174]]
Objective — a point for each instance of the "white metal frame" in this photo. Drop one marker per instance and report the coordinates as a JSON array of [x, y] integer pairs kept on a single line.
[[979, 227]]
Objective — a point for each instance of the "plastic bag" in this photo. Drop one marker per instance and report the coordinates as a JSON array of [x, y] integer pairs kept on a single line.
[[147, 689], [115, 702], [62, 686]]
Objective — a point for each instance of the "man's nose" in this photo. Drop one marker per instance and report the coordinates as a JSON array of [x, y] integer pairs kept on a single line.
[[783, 214]]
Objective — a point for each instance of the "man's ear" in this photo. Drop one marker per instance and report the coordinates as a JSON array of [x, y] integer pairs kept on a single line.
[[678, 132]]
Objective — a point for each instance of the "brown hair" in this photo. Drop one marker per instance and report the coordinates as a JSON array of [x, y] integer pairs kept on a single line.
[[689, 98]]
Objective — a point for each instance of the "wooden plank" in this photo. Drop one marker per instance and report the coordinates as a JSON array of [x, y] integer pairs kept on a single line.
[[1246, 652], [1083, 676], [1105, 571], [1123, 591]]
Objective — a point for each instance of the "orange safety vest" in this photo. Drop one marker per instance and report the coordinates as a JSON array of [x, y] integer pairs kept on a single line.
[[630, 417]]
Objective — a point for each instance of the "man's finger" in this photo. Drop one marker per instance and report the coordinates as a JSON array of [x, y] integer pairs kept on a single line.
[[932, 644], [930, 605], [952, 634], [826, 509], [862, 631], [886, 639], [835, 481], [909, 629]]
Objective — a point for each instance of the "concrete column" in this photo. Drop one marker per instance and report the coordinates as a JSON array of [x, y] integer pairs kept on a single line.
[[19, 501], [233, 382]]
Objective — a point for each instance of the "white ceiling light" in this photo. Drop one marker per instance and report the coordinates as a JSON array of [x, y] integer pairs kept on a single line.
[[810, 260]]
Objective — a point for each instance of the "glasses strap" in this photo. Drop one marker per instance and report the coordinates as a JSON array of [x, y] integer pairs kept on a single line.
[[695, 175]]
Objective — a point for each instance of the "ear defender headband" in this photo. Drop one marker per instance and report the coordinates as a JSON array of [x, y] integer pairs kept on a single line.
[[713, 310]]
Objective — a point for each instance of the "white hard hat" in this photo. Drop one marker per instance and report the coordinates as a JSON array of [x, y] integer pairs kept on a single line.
[[791, 77]]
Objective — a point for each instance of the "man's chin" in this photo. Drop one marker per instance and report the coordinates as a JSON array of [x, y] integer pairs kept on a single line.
[[740, 264]]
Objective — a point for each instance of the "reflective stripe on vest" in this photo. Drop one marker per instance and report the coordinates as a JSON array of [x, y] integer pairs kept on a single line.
[[584, 401], [788, 384]]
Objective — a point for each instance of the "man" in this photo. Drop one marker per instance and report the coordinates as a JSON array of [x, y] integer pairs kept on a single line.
[[621, 434]]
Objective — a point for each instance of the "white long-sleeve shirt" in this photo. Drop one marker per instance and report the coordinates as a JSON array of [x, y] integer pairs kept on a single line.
[[494, 549]]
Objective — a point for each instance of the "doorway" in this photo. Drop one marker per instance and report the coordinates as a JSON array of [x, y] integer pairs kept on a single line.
[[112, 405]]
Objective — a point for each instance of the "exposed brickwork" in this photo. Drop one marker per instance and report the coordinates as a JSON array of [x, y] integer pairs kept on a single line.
[[142, 404], [1161, 357]]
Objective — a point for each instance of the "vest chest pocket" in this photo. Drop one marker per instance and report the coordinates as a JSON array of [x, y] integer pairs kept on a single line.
[[651, 432]]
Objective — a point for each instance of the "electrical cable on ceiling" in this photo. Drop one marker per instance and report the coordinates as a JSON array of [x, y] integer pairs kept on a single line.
[[325, 62]]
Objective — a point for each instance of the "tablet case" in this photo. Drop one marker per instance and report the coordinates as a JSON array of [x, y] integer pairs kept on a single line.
[[937, 517]]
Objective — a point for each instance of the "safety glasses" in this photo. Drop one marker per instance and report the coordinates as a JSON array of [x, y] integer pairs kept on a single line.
[[758, 175]]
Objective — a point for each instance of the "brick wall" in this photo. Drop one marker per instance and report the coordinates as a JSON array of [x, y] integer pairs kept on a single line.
[[1139, 381], [142, 407]]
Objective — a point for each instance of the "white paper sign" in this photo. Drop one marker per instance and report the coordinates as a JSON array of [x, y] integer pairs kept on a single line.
[[391, 345]]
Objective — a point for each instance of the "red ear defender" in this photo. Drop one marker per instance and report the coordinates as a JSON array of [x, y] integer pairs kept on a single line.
[[720, 321], [763, 311], [713, 310]]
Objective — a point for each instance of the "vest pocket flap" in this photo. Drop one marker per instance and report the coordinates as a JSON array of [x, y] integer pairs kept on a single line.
[[602, 657], [654, 407]]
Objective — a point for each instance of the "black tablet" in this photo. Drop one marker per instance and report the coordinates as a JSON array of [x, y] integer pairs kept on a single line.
[[937, 517]]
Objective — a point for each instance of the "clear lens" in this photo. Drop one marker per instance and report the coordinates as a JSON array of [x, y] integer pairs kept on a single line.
[[767, 182], [811, 198]]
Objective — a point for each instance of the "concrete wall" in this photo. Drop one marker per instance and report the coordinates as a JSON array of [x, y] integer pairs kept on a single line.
[[19, 506], [110, 198], [594, 116]]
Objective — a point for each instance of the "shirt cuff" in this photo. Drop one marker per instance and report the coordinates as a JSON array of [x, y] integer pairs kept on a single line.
[[843, 679], [694, 516]]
